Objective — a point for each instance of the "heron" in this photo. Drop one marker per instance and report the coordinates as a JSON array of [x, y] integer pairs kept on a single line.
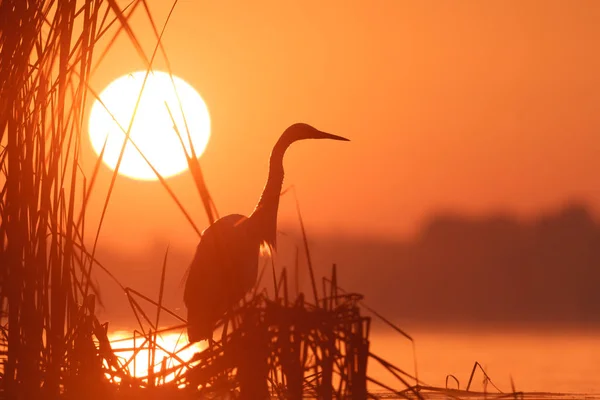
[[225, 266]]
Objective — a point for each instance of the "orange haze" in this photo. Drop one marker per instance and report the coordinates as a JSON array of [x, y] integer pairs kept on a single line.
[[471, 106]]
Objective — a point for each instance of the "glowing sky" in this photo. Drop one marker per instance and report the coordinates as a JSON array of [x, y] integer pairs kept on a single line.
[[473, 106]]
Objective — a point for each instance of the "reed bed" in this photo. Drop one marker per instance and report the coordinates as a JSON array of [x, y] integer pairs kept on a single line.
[[47, 297]]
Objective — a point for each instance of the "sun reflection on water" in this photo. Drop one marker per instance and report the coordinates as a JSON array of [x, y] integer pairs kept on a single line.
[[168, 357]]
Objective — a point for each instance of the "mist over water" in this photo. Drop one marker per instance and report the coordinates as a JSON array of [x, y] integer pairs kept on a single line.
[[494, 270], [519, 297]]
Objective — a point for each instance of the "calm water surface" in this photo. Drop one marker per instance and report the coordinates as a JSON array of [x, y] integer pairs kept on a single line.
[[539, 362], [545, 362]]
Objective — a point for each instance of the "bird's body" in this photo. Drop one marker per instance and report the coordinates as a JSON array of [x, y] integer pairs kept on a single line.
[[225, 266], [214, 283]]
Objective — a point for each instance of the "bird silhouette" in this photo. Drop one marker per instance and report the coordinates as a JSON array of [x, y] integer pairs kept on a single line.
[[225, 266]]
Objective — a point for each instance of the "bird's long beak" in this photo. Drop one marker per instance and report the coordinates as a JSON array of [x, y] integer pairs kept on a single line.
[[325, 135]]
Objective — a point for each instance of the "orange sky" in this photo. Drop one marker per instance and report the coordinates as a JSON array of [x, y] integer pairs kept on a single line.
[[472, 106]]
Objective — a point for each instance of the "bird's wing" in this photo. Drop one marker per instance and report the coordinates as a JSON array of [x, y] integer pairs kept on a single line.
[[208, 289], [212, 267]]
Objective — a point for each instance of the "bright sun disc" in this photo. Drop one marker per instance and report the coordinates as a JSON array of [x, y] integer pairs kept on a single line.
[[153, 130]]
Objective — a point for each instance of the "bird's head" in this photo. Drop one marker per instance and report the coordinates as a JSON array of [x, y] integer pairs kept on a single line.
[[302, 131]]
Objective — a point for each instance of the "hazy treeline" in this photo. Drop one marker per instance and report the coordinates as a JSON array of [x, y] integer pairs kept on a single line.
[[492, 269], [458, 269]]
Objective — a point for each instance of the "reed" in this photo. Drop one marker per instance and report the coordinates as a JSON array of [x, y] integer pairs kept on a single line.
[[47, 298]]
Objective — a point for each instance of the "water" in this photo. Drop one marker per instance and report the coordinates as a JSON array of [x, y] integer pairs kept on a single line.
[[567, 362], [125, 345]]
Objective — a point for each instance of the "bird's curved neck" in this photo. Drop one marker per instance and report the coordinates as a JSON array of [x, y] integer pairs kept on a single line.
[[264, 216]]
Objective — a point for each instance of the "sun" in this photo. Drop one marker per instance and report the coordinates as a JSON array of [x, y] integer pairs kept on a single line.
[[158, 130]]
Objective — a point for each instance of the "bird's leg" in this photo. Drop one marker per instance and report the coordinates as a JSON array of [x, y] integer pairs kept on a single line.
[[245, 300], [225, 325], [211, 342]]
